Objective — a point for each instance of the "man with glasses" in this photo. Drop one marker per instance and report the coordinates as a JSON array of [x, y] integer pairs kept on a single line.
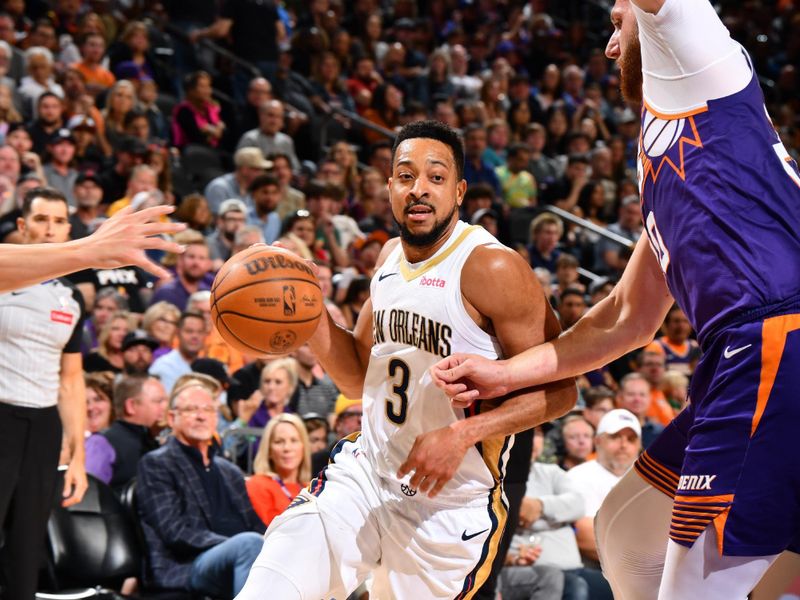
[[198, 524]]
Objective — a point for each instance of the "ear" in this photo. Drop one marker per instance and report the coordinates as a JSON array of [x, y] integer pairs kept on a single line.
[[21, 225], [461, 189], [170, 418], [129, 404]]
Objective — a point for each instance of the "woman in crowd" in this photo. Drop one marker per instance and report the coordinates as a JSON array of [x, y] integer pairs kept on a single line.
[[133, 46], [276, 386], [8, 113], [370, 187], [107, 302], [197, 119], [194, 211], [121, 99], [282, 466], [160, 321], [387, 104], [108, 354], [99, 405], [345, 156], [439, 82]]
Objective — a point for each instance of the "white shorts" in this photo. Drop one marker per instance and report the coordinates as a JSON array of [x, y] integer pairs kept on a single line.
[[414, 548]]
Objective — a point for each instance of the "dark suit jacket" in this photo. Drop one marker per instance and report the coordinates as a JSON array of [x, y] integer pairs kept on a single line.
[[176, 515]]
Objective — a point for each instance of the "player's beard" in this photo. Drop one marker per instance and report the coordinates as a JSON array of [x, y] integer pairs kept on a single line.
[[423, 240], [630, 72]]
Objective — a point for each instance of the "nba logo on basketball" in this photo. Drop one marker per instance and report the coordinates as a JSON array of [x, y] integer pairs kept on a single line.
[[289, 297]]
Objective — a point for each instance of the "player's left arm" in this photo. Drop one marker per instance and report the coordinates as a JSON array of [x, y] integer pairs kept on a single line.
[[72, 410], [502, 293]]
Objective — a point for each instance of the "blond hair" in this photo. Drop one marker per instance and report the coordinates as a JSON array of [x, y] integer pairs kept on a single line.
[[262, 465]]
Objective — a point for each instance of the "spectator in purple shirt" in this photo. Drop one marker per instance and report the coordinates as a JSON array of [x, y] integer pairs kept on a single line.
[[113, 454], [192, 268]]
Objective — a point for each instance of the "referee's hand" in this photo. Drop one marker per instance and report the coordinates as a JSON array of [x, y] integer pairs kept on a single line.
[[75, 483]]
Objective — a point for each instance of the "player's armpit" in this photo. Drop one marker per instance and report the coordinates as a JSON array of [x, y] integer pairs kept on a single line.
[[514, 305]]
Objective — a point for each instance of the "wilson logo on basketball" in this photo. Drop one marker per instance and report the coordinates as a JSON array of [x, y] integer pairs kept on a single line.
[[289, 304], [431, 282], [263, 264]]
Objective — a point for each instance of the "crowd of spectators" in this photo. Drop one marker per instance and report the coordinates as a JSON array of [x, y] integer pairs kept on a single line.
[[266, 121]]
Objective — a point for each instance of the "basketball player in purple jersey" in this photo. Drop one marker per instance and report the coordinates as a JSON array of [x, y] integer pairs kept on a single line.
[[714, 500]]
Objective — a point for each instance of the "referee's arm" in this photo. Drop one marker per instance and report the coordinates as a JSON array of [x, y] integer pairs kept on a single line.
[[72, 409]]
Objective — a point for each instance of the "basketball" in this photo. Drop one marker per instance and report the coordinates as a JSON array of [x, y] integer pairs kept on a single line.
[[266, 301]]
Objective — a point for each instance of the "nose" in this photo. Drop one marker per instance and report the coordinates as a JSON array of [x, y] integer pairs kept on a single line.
[[419, 189], [612, 48]]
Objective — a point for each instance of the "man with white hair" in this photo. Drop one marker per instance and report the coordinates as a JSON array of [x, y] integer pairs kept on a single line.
[[201, 531], [39, 78]]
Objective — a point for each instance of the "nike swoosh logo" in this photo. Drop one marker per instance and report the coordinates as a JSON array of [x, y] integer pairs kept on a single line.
[[728, 353], [466, 537], [383, 276]]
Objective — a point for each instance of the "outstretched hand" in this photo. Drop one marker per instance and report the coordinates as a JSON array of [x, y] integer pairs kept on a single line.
[[467, 377], [122, 239]]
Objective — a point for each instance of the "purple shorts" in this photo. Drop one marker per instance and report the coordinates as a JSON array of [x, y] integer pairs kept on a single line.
[[729, 458]]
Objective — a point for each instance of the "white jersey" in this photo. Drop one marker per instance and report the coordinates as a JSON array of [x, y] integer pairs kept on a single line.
[[419, 318], [37, 325]]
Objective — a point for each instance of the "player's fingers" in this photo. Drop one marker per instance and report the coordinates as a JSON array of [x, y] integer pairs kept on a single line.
[[406, 467], [69, 485], [453, 389], [436, 488], [154, 269], [416, 479], [151, 229], [465, 399], [150, 214]]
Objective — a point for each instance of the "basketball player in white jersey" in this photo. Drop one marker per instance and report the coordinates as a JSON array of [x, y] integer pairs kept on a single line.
[[721, 186], [416, 498], [118, 242]]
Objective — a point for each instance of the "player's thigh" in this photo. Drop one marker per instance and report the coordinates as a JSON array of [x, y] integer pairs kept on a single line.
[[632, 529], [328, 540], [700, 571], [778, 577], [435, 552], [741, 471]]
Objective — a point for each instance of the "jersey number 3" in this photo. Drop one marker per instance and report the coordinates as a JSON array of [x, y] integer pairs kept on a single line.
[[397, 407]]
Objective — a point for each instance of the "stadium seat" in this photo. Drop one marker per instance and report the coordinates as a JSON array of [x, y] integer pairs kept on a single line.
[[94, 546], [519, 222], [201, 164]]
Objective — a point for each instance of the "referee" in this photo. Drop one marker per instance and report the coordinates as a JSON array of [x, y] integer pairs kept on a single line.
[[41, 378]]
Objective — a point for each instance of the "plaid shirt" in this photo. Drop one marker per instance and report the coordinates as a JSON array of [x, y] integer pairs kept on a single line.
[[176, 514]]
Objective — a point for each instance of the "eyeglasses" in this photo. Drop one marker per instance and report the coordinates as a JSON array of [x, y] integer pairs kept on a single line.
[[166, 320], [192, 409]]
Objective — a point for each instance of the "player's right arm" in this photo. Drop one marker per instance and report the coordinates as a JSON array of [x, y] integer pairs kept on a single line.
[[345, 354], [627, 319]]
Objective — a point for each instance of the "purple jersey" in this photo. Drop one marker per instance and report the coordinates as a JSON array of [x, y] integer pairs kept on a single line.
[[721, 207]]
